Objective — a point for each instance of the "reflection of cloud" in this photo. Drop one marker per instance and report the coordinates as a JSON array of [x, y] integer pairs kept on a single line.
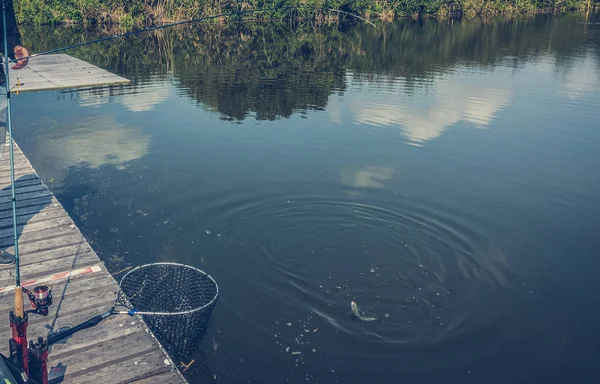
[[452, 102], [335, 115], [370, 176], [92, 100], [147, 98], [582, 78], [142, 99], [99, 141]]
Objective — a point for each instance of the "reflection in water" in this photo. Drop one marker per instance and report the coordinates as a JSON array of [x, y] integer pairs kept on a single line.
[[97, 141], [245, 70], [462, 259], [427, 115], [581, 78], [148, 98], [155, 92], [92, 99], [367, 177]]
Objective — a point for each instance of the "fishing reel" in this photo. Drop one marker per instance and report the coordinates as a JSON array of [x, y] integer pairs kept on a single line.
[[40, 299]]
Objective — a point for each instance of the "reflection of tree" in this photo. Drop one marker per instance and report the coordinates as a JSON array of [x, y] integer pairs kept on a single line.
[[270, 71], [273, 70], [577, 79]]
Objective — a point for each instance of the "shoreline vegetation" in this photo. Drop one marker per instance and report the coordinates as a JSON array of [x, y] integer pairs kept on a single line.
[[147, 12], [242, 70]]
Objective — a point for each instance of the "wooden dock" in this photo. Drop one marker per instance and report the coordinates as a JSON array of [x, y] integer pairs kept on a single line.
[[60, 71], [119, 349]]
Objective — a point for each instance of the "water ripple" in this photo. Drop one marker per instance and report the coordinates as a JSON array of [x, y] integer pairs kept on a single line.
[[426, 276]]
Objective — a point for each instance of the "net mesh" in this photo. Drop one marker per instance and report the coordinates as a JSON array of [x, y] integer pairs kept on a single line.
[[174, 300]]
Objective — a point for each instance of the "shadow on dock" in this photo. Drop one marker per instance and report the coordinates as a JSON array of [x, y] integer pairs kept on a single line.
[[32, 198]]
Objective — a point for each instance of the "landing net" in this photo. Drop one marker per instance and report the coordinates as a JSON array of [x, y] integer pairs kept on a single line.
[[175, 301]]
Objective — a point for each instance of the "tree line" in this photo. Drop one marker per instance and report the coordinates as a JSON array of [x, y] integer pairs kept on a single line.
[[130, 12]]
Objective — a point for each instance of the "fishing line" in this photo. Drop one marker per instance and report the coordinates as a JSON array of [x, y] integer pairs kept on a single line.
[[190, 21], [18, 293]]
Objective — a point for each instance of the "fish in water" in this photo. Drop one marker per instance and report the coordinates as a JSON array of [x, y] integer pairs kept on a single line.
[[356, 312]]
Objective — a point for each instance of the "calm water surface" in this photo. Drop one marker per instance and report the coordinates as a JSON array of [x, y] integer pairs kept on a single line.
[[442, 175]]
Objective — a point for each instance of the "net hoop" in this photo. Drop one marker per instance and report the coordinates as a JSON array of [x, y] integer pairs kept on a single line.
[[208, 304]]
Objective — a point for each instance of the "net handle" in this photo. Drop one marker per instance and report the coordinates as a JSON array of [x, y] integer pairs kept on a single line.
[[134, 312]]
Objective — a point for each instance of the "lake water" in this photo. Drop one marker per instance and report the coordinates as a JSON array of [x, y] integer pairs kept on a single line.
[[442, 175]]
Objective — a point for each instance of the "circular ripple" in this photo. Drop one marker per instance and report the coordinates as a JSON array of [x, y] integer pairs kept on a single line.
[[426, 276]]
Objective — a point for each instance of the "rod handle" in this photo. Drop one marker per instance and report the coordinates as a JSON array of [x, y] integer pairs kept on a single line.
[[19, 308], [86, 324]]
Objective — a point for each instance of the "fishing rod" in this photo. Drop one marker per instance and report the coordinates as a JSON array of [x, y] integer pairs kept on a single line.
[[18, 318], [12, 165], [189, 21]]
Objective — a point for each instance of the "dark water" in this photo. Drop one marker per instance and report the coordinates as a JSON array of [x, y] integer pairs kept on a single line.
[[442, 175]]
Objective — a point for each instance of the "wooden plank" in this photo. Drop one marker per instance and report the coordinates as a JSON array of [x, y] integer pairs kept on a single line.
[[31, 228], [67, 315], [28, 210], [69, 252], [77, 311], [50, 244], [45, 59], [133, 355], [6, 209], [58, 71], [75, 285], [19, 167], [31, 271], [48, 212], [89, 299], [66, 67], [24, 196], [64, 319], [40, 269], [23, 178], [17, 160], [145, 363], [112, 328], [46, 234], [81, 83], [5, 168], [42, 212], [6, 171], [77, 282], [56, 245], [22, 181], [27, 205], [26, 182], [58, 78], [20, 170], [69, 71], [20, 174], [27, 199], [165, 378]]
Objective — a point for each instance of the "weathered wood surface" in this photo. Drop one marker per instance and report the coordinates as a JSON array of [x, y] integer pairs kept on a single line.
[[119, 349], [60, 71]]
